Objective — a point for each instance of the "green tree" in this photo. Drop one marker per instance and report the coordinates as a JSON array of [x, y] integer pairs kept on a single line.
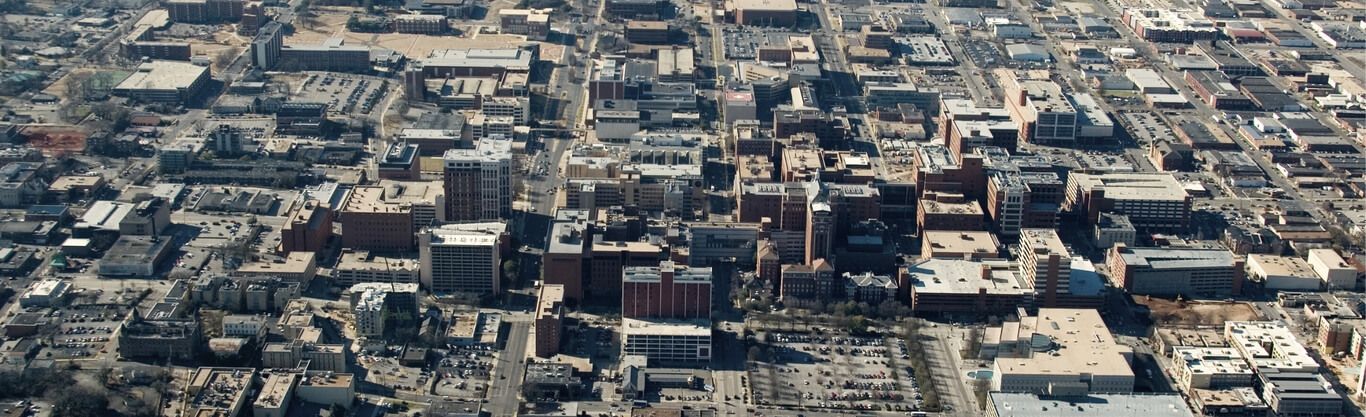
[[858, 324], [510, 268], [336, 410]]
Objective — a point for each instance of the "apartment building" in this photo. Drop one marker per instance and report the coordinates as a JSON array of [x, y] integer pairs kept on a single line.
[[478, 181]]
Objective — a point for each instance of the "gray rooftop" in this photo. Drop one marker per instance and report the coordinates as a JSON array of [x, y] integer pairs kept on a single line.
[[1110, 405]]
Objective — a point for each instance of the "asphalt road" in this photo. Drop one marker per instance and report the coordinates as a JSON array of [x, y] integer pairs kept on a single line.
[[942, 358], [504, 392]]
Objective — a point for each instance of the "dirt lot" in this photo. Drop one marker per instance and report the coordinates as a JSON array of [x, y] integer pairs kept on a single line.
[[410, 45], [1167, 312]]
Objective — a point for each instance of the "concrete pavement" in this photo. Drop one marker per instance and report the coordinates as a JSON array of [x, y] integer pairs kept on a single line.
[[505, 392]]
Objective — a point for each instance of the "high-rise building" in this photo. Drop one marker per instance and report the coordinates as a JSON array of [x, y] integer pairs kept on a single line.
[[378, 305], [1043, 113], [549, 320], [265, 47], [478, 181], [1153, 201], [456, 259], [308, 228], [228, 140], [666, 291], [936, 169], [1045, 265], [370, 222], [562, 263], [415, 83], [204, 11]]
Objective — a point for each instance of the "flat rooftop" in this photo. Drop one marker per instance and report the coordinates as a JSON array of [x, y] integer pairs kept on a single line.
[[1082, 341], [768, 5], [961, 276], [696, 327], [935, 207], [371, 200], [1273, 265], [1044, 242], [360, 260], [294, 263], [163, 75], [1269, 345], [509, 58], [1177, 258], [959, 242], [274, 392], [1134, 186], [1092, 405]]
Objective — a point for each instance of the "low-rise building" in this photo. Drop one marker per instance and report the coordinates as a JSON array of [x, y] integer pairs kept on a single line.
[[169, 338], [298, 267], [360, 266], [1292, 393], [1210, 368], [1066, 404], [1269, 346], [959, 244], [1333, 269], [1169, 271], [320, 357], [244, 326], [966, 286], [218, 391], [135, 256], [166, 82], [869, 288], [45, 293], [1057, 349], [1282, 272], [1114, 229]]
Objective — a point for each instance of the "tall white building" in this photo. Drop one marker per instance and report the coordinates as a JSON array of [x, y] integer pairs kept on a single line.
[[478, 181], [372, 303], [461, 259]]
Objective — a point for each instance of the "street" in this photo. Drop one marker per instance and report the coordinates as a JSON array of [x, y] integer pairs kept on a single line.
[[504, 392]]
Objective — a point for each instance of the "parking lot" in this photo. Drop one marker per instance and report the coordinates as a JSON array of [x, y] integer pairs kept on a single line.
[[592, 342], [464, 372], [983, 53], [834, 371], [82, 332], [388, 372], [344, 94]]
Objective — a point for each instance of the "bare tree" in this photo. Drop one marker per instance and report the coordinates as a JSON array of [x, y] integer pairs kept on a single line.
[[77, 86], [973, 343], [225, 56]]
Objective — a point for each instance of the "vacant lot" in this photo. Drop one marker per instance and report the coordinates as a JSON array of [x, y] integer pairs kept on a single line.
[[1169, 312], [321, 27]]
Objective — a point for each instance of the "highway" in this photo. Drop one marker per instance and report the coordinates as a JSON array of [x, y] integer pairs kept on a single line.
[[505, 391]]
